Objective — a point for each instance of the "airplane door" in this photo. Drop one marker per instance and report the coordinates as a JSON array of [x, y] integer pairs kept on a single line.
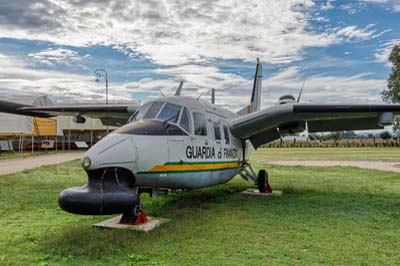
[[200, 142], [179, 140], [216, 176], [200, 137]]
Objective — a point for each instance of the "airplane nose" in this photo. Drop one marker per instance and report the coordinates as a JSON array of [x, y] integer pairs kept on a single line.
[[117, 150], [111, 186]]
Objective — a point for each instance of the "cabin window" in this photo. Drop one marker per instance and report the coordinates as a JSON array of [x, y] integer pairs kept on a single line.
[[226, 134], [200, 127], [170, 112], [185, 120], [153, 111], [217, 132]]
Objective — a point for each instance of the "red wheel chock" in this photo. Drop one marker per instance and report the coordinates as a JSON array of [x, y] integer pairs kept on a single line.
[[268, 188], [141, 218]]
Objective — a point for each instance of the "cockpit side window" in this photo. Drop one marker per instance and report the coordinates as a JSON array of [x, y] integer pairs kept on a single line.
[[153, 111], [170, 112], [226, 134], [217, 132], [185, 120], [200, 127]]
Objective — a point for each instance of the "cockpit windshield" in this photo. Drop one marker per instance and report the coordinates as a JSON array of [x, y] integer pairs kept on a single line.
[[169, 112], [153, 110]]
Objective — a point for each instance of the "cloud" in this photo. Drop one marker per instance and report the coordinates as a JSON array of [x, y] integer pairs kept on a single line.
[[359, 88], [232, 91], [186, 39], [382, 53], [353, 7], [393, 5], [355, 33], [18, 78], [178, 32], [57, 55]]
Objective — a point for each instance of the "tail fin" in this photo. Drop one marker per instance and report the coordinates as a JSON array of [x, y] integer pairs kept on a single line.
[[255, 103]]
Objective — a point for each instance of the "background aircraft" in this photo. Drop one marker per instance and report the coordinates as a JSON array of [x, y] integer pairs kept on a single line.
[[182, 142]]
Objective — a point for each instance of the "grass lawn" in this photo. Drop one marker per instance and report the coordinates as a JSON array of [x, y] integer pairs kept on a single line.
[[369, 154], [327, 216]]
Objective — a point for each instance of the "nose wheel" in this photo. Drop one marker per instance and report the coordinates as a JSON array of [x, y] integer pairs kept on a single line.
[[134, 216]]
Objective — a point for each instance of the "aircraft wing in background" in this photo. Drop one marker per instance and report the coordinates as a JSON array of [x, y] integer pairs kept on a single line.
[[110, 114], [269, 124]]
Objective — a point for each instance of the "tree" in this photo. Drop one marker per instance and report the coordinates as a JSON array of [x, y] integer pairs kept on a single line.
[[337, 135], [392, 93]]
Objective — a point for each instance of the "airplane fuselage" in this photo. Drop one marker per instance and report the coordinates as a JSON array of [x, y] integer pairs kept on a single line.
[[194, 150]]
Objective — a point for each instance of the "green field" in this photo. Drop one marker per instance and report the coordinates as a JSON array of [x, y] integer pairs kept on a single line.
[[369, 154], [327, 216]]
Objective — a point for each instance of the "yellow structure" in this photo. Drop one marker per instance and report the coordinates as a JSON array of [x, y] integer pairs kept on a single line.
[[44, 127]]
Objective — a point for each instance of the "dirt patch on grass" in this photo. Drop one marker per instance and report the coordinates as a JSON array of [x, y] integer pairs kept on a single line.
[[376, 165]]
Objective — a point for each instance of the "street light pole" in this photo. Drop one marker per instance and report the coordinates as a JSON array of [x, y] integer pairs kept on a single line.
[[101, 73]]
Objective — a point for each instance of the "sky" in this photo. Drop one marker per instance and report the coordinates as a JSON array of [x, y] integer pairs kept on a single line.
[[339, 48]]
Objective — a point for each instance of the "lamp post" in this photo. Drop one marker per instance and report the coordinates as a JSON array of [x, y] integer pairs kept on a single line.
[[99, 74]]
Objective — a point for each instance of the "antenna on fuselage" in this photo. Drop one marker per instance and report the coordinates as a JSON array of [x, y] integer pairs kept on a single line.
[[301, 91], [201, 94], [179, 89], [213, 96]]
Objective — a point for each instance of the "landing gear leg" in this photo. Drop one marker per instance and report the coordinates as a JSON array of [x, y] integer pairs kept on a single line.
[[262, 182], [134, 216]]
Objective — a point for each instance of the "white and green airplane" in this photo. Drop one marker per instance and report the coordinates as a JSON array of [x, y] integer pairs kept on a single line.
[[182, 142]]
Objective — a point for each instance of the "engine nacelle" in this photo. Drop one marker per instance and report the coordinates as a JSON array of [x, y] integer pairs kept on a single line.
[[79, 119], [285, 99]]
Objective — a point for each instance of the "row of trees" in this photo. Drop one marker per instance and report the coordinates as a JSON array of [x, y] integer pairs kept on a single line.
[[352, 135]]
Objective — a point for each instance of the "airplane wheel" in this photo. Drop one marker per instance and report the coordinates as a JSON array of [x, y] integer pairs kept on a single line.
[[262, 180]]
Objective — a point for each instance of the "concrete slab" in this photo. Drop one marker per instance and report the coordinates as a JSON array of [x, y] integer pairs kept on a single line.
[[255, 192], [113, 223]]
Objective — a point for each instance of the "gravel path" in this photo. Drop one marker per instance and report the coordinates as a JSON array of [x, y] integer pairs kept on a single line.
[[377, 165], [18, 165]]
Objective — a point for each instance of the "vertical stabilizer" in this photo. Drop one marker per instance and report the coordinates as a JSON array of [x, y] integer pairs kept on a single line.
[[255, 103]]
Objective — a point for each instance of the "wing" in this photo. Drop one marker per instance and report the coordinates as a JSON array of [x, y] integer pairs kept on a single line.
[[269, 124], [110, 114]]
